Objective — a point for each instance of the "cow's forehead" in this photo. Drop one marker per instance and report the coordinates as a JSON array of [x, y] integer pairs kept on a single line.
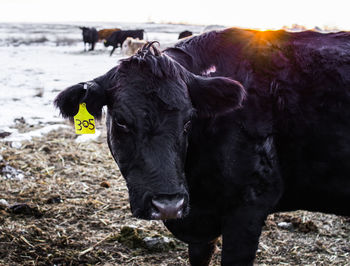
[[137, 101], [145, 90], [148, 103], [153, 83]]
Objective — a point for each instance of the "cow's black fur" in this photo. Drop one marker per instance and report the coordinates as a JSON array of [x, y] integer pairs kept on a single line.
[[90, 36], [118, 37], [286, 148]]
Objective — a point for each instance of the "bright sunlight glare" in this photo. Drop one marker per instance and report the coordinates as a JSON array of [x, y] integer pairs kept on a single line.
[[268, 14]]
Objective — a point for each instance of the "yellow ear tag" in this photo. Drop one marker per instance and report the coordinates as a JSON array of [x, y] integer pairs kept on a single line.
[[83, 121]]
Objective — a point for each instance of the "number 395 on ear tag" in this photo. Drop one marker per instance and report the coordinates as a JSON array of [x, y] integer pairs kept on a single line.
[[84, 122]]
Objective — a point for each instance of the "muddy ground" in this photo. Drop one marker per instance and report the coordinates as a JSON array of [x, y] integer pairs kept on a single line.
[[65, 203]]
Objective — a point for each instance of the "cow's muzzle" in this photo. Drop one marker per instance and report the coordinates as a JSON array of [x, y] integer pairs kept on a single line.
[[166, 207]]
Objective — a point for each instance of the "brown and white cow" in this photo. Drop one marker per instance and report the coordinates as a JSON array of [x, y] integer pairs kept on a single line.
[[130, 46]]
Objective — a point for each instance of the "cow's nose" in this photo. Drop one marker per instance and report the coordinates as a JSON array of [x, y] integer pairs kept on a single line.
[[167, 207]]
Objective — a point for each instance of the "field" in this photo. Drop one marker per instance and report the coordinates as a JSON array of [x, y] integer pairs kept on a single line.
[[65, 203]]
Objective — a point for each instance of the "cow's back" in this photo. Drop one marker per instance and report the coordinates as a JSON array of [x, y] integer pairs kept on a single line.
[[311, 113], [311, 125], [118, 37], [105, 33], [298, 93]]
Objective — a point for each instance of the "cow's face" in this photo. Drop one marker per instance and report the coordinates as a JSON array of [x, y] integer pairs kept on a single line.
[[148, 123], [151, 103]]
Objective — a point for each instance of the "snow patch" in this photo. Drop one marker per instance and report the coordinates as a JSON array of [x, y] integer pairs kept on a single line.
[[88, 137], [16, 137]]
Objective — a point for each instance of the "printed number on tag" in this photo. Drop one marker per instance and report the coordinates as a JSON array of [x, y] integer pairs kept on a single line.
[[84, 122]]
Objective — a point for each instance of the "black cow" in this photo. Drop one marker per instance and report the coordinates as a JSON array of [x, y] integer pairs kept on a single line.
[[90, 36], [226, 127], [185, 34], [119, 37]]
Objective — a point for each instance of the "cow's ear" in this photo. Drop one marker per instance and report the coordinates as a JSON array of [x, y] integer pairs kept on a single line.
[[90, 93], [215, 95]]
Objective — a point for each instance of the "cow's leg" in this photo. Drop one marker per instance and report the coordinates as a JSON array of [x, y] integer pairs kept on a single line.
[[200, 253], [92, 46], [112, 51], [241, 232], [199, 229]]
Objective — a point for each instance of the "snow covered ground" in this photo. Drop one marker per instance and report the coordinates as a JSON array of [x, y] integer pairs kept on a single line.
[[37, 61]]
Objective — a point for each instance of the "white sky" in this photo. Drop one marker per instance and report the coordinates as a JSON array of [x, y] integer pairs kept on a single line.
[[261, 14]]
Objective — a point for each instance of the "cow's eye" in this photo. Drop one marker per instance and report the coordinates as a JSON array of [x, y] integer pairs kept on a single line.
[[187, 126], [122, 126]]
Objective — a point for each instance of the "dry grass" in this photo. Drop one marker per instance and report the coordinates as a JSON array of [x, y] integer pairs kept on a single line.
[[71, 208]]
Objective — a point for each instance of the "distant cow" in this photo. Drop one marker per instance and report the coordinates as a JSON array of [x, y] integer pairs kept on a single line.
[[105, 33], [118, 37], [226, 127], [90, 36], [185, 34], [131, 45]]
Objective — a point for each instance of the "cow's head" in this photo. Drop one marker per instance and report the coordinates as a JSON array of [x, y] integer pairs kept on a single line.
[[151, 103], [85, 31]]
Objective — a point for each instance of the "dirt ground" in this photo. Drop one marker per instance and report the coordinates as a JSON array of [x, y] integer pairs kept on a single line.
[[65, 203]]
